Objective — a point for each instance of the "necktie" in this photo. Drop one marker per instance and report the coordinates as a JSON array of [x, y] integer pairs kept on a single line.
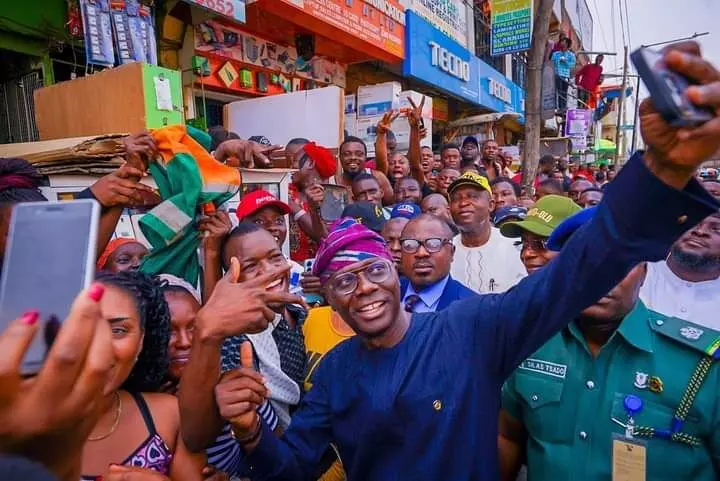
[[411, 301]]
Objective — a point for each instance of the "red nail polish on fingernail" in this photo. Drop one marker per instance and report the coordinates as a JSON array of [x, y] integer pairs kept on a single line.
[[96, 292], [30, 317]]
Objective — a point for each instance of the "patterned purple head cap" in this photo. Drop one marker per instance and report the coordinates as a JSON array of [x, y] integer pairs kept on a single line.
[[348, 242]]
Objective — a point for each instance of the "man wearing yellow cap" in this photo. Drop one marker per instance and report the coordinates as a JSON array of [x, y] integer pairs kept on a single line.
[[485, 261]]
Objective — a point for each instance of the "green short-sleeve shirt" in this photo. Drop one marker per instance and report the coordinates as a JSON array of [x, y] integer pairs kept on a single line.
[[567, 400]]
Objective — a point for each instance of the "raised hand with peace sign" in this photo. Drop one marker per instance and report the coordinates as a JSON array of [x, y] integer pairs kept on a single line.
[[383, 127], [415, 114]]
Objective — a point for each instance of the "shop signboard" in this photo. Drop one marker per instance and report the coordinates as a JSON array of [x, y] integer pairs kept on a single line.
[[228, 42], [577, 127], [499, 93], [511, 22], [380, 23], [230, 9], [578, 122], [448, 16], [438, 60]]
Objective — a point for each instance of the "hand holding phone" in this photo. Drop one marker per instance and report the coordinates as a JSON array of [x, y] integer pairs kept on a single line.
[[675, 153], [66, 388], [50, 258], [668, 90]]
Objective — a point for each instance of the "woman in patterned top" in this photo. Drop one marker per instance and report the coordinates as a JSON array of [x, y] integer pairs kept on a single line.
[[139, 428]]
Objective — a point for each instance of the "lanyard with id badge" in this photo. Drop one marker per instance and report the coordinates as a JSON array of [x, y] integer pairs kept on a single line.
[[629, 455]]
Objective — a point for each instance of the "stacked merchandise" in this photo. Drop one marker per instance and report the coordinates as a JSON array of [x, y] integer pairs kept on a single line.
[[118, 32], [362, 114]]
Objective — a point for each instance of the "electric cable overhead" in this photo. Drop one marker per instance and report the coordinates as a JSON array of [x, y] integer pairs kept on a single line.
[[606, 45], [627, 22], [622, 23]]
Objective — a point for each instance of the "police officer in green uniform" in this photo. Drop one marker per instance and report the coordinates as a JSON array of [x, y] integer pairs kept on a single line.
[[622, 393]]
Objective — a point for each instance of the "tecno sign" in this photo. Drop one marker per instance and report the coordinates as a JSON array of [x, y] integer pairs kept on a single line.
[[450, 63]]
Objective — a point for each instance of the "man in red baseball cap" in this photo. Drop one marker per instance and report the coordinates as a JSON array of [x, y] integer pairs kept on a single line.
[[264, 209]]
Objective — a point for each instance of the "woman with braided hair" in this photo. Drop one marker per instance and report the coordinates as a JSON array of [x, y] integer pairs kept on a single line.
[[139, 428]]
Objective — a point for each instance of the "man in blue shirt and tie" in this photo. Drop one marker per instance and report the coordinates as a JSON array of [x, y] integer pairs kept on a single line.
[[427, 253], [416, 396]]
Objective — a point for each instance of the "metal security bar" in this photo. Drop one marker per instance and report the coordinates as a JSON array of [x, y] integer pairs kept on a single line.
[[17, 114]]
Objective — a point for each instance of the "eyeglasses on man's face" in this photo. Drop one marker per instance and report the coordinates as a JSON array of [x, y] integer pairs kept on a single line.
[[432, 245], [535, 244], [345, 284]]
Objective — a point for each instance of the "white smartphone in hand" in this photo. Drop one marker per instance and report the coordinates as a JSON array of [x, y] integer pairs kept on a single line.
[[49, 258]]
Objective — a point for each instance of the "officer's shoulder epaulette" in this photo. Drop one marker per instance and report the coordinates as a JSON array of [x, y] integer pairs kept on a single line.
[[696, 337]]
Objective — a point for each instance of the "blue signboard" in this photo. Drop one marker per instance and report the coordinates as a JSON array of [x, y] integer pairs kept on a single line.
[[498, 93], [434, 58]]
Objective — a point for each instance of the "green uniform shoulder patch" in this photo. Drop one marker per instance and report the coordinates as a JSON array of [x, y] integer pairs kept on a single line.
[[696, 337]]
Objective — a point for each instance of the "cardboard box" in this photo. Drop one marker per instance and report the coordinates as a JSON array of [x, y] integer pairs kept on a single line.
[[350, 105], [351, 124], [125, 99], [366, 130], [377, 99], [416, 97]]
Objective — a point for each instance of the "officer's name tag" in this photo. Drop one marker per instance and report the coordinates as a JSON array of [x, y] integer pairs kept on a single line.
[[544, 367], [628, 460]]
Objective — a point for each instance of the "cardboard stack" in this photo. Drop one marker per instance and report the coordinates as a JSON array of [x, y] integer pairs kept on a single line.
[[362, 113]]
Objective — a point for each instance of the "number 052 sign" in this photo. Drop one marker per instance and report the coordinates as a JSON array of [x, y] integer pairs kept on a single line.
[[232, 9]]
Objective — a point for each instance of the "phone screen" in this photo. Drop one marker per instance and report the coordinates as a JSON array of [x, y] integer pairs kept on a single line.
[[49, 259]]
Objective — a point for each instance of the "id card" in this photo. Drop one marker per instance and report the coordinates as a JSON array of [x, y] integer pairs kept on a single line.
[[629, 459]]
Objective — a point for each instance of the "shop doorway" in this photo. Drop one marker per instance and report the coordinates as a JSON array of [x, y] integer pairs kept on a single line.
[[20, 76]]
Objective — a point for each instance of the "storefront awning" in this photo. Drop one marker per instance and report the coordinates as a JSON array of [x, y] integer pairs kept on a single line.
[[485, 118], [372, 29]]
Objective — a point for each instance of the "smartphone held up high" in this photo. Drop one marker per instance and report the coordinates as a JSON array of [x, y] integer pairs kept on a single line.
[[668, 90], [49, 258]]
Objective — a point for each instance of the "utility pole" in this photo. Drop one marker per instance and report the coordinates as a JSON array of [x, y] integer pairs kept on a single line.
[[618, 125], [533, 102]]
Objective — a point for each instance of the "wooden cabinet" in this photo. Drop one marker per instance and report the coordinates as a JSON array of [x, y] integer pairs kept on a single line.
[[124, 99]]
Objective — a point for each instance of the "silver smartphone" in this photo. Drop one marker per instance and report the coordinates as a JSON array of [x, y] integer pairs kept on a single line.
[[49, 258]]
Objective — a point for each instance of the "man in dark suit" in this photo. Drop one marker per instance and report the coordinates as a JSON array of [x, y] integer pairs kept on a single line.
[[427, 253]]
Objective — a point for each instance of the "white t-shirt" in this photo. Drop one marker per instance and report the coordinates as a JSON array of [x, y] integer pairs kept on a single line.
[[666, 293], [493, 267]]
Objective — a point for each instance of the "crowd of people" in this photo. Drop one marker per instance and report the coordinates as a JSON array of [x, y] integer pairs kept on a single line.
[[446, 326]]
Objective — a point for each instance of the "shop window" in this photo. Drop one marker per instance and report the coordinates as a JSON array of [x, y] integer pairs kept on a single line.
[[519, 68]]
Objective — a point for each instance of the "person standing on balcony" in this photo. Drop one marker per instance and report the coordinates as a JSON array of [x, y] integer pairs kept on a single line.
[[563, 62], [588, 79]]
